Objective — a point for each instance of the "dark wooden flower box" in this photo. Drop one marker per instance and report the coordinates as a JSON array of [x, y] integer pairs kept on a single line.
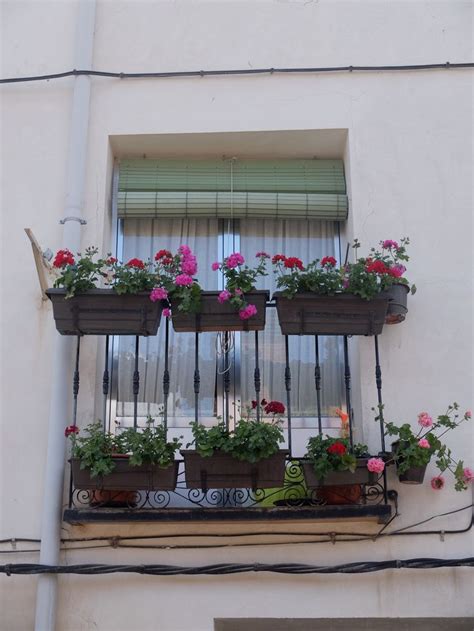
[[222, 471], [124, 477], [104, 312], [215, 316], [341, 314], [336, 478]]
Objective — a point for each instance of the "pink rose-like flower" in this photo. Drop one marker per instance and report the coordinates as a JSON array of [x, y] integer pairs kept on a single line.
[[248, 312], [166, 313], [185, 250], [423, 443], [468, 414], [183, 280], [375, 465], [468, 474], [388, 244], [215, 266], [437, 483], [158, 293], [397, 270], [234, 260], [262, 255], [189, 265], [224, 296], [424, 419]]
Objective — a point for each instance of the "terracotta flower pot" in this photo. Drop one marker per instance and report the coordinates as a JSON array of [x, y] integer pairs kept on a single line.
[[341, 314], [214, 316], [104, 312], [222, 471]]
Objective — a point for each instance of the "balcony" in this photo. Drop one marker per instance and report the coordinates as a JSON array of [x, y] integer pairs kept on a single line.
[[245, 492]]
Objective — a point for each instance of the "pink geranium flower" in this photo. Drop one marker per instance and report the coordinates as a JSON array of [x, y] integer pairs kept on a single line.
[[158, 293], [183, 280], [424, 419], [185, 250], [215, 266], [166, 313], [437, 483], [262, 255], [423, 443], [248, 312], [234, 260], [375, 465], [397, 270], [224, 296], [468, 414], [189, 265], [468, 474], [388, 244]]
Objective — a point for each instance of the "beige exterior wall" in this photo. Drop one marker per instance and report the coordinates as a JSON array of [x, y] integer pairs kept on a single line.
[[407, 142]]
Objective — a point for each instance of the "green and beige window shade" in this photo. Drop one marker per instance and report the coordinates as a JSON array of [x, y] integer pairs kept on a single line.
[[286, 189]]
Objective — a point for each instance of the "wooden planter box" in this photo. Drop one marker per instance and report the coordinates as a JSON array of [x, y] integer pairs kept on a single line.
[[222, 471], [127, 478], [342, 314], [104, 312], [215, 316], [336, 478], [397, 306]]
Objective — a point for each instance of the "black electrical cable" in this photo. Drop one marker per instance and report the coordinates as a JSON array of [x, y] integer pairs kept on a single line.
[[244, 71], [360, 567]]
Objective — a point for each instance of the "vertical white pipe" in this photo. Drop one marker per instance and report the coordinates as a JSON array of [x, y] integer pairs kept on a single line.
[[60, 409]]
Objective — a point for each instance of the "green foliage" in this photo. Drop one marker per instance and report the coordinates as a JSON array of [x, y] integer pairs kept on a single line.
[[80, 276], [97, 448], [319, 280], [133, 280], [251, 440], [318, 451]]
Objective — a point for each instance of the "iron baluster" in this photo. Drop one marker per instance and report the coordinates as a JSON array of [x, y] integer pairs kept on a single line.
[[75, 392], [347, 380], [288, 391], [197, 378], [378, 382], [105, 379], [317, 382], [136, 384], [166, 376], [256, 377], [226, 378]]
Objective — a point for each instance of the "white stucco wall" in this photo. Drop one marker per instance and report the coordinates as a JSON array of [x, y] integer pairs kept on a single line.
[[409, 159]]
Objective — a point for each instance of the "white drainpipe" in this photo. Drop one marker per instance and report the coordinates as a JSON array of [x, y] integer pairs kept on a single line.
[[62, 356]]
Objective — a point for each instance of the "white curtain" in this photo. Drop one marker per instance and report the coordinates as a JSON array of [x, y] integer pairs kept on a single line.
[[308, 240], [142, 238]]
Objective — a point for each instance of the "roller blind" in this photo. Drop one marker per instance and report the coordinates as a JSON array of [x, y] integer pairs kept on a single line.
[[299, 189]]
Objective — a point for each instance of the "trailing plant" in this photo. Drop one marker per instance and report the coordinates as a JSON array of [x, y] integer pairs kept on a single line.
[[417, 448], [251, 440], [239, 280]]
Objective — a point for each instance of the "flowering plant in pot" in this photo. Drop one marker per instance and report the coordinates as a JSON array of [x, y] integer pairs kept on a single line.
[[140, 458], [413, 450], [337, 470], [245, 457]]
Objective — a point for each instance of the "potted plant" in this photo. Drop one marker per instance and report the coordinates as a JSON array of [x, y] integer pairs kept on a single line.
[[355, 299], [135, 459], [124, 307], [239, 307], [246, 457], [337, 471], [386, 268], [413, 450]]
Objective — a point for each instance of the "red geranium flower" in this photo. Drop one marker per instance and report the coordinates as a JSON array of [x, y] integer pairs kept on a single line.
[[293, 261], [278, 257], [163, 254], [378, 267], [111, 260], [63, 258], [137, 263], [71, 429], [328, 261], [337, 448], [274, 407]]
